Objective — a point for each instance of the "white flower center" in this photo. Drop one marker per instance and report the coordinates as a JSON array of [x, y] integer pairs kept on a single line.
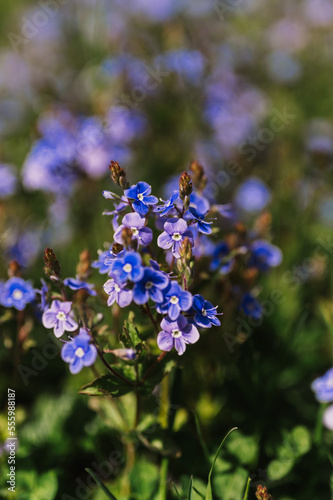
[[176, 236], [61, 316], [149, 285], [140, 196], [79, 352], [117, 288], [176, 333], [174, 299], [135, 231], [203, 312], [127, 268], [17, 294]]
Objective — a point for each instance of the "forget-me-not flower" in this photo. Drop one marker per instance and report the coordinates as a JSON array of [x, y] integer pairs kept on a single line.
[[79, 352]]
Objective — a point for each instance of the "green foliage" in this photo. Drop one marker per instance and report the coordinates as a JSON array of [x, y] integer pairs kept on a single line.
[[101, 485], [33, 486]]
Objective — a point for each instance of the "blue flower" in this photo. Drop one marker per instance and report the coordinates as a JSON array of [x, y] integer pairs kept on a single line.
[[175, 230], [199, 203], [136, 223], [17, 293], [75, 284], [150, 286], [251, 306], [100, 264], [127, 267], [205, 312], [222, 259], [265, 255], [60, 317], [176, 334], [253, 195], [140, 193], [168, 205], [175, 301], [8, 182], [201, 224], [323, 387], [79, 352], [118, 293]]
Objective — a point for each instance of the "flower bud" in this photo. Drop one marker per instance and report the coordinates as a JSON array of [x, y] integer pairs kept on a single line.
[[126, 236], [118, 175], [185, 250], [117, 248], [52, 266], [198, 175], [83, 267], [262, 493], [14, 269], [185, 185]]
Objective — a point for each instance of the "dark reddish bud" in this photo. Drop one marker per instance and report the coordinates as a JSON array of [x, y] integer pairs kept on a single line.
[[52, 266], [118, 175], [126, 236], [262, 493], [185, 185], [117, 248]]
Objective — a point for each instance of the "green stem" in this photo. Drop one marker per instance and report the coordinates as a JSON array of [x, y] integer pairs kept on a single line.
[[152, 368]]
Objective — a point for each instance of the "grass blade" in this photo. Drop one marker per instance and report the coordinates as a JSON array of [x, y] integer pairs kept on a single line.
[[247, 489], [209, 492], [101, 485], [190, 489]]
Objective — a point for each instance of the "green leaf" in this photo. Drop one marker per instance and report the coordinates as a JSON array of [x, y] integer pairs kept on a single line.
[[162, 369], [177, 492], [209, 492], [101, 485], [130, 335], [244, 448], [110, 385], [160, 442], [190, 489], [231, 485], [144, 478], [278, 469]]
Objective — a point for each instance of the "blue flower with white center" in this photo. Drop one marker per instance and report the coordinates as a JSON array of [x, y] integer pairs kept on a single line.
[[60, 317], [100, 262], [323, 387], [75, 284], [251, 306], [140, 193], [79, 352], [150, 286], [205, 312], [201, 225], [175, 301], [17, 293], [127, 267], [136, 223], [175, 230], [118, 293], [167, 205], [264, 255], [176, 334]]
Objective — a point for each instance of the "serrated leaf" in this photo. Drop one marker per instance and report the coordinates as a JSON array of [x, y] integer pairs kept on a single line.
[[110, 385]]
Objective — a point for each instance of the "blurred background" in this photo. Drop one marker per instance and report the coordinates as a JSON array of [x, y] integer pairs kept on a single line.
[[245, 88]]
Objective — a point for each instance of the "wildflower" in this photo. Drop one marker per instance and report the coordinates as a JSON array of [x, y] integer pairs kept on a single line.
[[59, 317], [75, 284], [118, 293], [79, 352], [175, 230], [251, 306], [323, 387], [205, 312], [168, 205], [8, 181], [221, 259], [253, 195], [136, 224], [17, 293], [201, 224], [175, 301], [176, 334], [129, 266], [100, 264], [150, 286], [265, 255], [140, 193]]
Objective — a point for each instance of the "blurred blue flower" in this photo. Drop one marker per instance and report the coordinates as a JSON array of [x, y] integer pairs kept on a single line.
[[323, 387], [222, 259], [75, 284], [16, 293], [253, 195], [79, 352], [251, 307], [167, 205], [189, 64], [8, 181], [201, 225], [100, 264], [264, 255]]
